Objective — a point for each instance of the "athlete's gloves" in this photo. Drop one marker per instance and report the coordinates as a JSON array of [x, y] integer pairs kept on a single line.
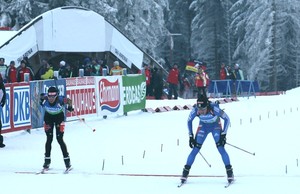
[[222, 140], [68, 102], [192, 141], [3, 101], [70, 108], [43, 97]]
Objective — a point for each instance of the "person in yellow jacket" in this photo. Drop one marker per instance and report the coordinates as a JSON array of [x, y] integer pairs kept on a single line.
[[48, 73], [116, 69]]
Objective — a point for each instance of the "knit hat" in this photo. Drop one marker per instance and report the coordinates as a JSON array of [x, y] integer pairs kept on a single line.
[[116, 63], [202, 101], [63, 63], [52, 91]]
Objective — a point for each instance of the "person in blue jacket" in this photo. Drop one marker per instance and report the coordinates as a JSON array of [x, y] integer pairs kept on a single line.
[[54, 106], [209, 114]]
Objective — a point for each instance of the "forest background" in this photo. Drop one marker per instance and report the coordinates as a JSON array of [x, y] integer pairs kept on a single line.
[[262, 36]]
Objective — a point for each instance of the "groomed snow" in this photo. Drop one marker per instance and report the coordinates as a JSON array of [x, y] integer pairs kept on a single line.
[[157, 144]]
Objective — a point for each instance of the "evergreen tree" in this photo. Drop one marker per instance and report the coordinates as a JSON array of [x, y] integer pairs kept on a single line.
[[262, 36], [208, 38]]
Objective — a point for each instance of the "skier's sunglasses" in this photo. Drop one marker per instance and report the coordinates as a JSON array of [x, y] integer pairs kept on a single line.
[[200, 106], [52, 95]]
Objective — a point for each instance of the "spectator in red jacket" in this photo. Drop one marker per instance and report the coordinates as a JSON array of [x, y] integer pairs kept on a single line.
[[201, 82], [223, 72], [22, 70], [173, 80], [11, 73], [148, 75]]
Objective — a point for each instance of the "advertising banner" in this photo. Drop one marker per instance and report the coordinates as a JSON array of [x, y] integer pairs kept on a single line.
[[16, 114], [109, 92], [134, 88], [5, 111], [81, 90]]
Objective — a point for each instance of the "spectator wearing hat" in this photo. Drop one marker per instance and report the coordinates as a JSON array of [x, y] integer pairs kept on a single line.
[[238, 72], [65, 70], [11, 73], [62, 69], [116, 69], [22, 70]]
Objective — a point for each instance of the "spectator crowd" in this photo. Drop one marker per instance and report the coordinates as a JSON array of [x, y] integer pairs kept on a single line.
[[91, 67], [187, 84]]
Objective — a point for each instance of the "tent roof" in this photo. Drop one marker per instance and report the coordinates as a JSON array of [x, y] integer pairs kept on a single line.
[[70, 29], [6, 35]]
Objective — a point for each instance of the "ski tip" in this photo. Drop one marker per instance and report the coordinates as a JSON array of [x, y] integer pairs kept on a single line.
[[229, 183], [179, 185], [68, 170]]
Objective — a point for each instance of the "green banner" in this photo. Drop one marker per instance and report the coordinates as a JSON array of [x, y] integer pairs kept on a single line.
[[134, 87]]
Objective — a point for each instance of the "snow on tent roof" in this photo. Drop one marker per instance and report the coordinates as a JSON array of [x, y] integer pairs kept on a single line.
[[6, 35], [70, 29]]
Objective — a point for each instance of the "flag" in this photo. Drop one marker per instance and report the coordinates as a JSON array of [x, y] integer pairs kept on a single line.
[[190, 66]]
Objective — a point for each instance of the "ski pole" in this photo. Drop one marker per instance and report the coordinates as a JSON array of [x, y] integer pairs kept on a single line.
[[205, 159], [241, 149], [83, 121]]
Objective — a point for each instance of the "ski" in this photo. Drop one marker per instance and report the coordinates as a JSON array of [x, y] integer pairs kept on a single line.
[[229, 183], [68, 170], [43, 171], [181, 183]]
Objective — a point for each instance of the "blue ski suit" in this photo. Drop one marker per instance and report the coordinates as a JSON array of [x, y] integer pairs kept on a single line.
[[209, 123], [54, 117]]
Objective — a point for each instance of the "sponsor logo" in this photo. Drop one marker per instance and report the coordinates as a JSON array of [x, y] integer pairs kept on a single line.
[[109, 95], [134, 94], [21, 115]]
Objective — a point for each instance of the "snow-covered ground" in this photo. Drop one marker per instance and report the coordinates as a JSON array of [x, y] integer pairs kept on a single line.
[[152, 144]]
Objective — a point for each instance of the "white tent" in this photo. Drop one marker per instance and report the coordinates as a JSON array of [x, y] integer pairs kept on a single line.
[[70, 29], [6, 35]]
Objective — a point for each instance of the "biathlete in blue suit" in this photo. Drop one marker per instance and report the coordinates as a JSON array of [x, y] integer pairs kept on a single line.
[[54, 106], [209, 114]]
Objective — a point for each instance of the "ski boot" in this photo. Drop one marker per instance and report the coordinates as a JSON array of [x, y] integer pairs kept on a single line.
[[185, 173], [2, 145], [230, 176], [47, 163], [68, 164]]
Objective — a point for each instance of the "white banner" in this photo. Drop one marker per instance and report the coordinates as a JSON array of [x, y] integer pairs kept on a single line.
[[21, 46], [125, 50]]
